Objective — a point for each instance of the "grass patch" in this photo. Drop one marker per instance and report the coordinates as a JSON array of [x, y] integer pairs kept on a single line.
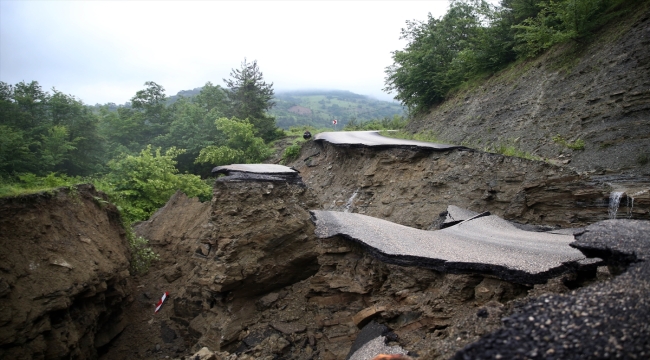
[[428, 136], [579, 144], [511, 150]]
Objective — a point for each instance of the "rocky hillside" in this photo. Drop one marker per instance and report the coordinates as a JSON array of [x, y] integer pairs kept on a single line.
[[598, 93], [64, 274]]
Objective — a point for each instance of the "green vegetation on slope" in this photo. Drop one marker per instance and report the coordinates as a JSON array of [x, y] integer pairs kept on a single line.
[[475, 39]]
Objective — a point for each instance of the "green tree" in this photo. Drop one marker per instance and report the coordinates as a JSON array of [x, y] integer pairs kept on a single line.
[[55, 146], [241, 146], [192, 128], [557, 22], [15, 153], [58, 132], [251, 97], [150, 103], [145, 182], [442, 53]]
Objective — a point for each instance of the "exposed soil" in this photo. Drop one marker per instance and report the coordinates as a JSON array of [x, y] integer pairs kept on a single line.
[[64, 277]]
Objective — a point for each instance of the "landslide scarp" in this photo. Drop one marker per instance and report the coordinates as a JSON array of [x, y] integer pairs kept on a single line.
[[64, 274]]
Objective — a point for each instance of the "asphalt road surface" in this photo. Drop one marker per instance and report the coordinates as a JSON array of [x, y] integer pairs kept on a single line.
[[606, 320], [372, 138], [486, 244]]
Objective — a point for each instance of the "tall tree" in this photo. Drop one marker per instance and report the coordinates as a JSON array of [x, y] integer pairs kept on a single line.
[[250, 98]]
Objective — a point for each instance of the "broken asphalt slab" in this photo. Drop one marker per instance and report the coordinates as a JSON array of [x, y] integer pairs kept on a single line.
[[606, 320], [486, 244], [374, 139], [257, 172]]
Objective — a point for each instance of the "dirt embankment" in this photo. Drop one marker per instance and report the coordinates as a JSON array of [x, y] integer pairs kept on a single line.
[[412, 187], [64, 277], [600, 94]]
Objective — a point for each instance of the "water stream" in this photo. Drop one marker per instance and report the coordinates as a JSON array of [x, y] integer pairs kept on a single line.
[[614, 201], [348, 205]]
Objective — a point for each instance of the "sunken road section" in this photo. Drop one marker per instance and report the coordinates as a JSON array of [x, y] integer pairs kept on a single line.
[[258, 172], [485, 244], [373, 139]]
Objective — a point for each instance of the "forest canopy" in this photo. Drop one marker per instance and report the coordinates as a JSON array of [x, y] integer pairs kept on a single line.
[[139, 153]]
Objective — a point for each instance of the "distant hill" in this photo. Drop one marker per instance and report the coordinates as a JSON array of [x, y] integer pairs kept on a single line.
[[319, 107]]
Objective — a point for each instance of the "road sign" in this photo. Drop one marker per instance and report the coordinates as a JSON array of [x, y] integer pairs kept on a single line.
[[335, 122]]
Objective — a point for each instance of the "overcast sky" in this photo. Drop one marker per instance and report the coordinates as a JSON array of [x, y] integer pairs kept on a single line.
[[104, 51]]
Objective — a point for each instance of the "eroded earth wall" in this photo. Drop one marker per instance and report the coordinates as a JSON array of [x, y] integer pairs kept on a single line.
[[64, 277], [413, 186]]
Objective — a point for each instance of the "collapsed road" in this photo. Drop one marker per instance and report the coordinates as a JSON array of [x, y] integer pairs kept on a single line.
[[486, 244], [374, 139]]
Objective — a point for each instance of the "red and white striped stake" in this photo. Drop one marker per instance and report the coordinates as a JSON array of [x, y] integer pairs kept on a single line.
[[161, 301]]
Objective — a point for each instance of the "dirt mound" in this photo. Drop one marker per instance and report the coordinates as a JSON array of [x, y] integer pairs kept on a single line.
[[64, 276]]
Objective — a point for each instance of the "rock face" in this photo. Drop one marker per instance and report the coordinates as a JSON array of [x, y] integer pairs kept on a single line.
[[412, 187], [599, 94], [64, 277]]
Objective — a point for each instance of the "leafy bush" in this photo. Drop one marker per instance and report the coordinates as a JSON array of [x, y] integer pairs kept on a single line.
[[292, 151], [474, 39], [142, 255], [142, 184], [557, 22]]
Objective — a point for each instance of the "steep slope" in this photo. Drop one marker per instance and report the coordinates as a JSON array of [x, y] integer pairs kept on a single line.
[[599, 94], [64, 277]]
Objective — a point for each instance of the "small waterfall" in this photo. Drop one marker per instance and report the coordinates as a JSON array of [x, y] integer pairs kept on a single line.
[[614, 201], [348, 205], [630, 206], [630, 202]]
